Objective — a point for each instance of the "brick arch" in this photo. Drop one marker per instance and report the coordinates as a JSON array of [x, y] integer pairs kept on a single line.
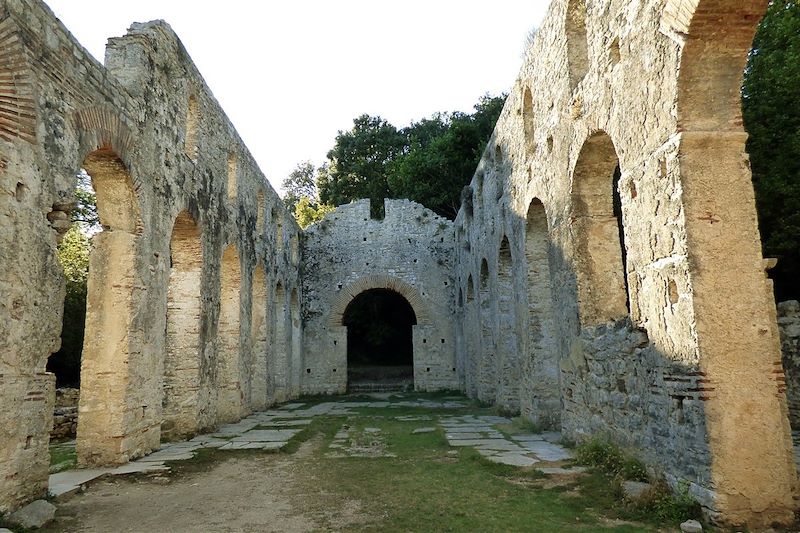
[[103, 128], [348, 293], [17, 107], [718, 37]]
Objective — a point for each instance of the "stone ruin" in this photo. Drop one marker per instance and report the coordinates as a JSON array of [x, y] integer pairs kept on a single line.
[[604, 275]]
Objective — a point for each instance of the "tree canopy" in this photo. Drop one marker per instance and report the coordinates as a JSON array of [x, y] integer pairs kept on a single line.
[[771, 112], [429, 161]]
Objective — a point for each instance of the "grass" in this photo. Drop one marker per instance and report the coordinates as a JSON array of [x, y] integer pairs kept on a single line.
[[432, 487], [62, 457], [612, 467]]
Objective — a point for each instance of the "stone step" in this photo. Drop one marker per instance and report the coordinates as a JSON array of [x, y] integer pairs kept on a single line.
[[363, 387]]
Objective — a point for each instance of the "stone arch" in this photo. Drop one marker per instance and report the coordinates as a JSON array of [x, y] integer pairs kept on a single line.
[[602, 292], [182, 359], [346, 295], [231, 366], [527, 120], [486, 354], [577, 42], [259, 336], [280, 359], [539, 397], [737, 332], [103, 128], [507, 370], [277, 225], [719, 35], [110, 334], [296, 358], [260, 207]]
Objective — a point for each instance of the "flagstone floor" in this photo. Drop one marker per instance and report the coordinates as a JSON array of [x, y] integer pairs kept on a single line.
[[273, 430]]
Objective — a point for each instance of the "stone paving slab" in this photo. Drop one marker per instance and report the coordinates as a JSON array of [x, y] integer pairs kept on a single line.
[[512, 459], [527, 438], [243, 445], [503, 446], [266, 435], [288, 423], [169, 454], [554, 470], [140, 467], [463, 436], [64, 483], [548, 452], [486, 443], [476, 431]]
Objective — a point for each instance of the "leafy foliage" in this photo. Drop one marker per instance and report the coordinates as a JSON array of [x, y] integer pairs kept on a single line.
[[611, 460], [770, 96], [73, 254], [429, 161], [660, 502], [442, 155], [85, 211], [306, 212], [301, 196], [299, 184], [358, 163]]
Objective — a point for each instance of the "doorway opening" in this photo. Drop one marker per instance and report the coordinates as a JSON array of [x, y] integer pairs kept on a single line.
[[380, 347]]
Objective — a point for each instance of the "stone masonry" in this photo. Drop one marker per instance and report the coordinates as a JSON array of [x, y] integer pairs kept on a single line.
[[603, 276], [194, 244], [789, 323], [411, 252], [608, 246]]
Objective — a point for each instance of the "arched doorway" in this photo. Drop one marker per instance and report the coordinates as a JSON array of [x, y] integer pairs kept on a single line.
[[380, 351], [182, 358], [600, 235]]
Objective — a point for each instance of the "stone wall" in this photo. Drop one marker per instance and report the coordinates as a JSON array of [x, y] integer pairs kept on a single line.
[[604, 274], [618, 387], [191, 229], [616, 190], [410, 251], [65, 414], [789, 324]]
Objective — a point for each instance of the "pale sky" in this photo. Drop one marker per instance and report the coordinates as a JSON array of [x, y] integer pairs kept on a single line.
[[291, 74]]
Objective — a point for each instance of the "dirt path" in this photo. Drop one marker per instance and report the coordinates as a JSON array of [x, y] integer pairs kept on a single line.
[[265, 492]]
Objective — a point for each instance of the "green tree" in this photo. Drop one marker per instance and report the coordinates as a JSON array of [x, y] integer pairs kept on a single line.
[[307, 212], [85, 211], [358, 163], [73, 254], [429, 161], [299, 184], [442, 155], [771, 111]]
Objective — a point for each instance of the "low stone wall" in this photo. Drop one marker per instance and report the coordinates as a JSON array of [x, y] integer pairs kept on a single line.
[[617, 386], [65, 414], [789, 326]]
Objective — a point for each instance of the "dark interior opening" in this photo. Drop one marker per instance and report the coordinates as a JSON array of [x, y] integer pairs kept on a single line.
[[380, 350], [617, 207]]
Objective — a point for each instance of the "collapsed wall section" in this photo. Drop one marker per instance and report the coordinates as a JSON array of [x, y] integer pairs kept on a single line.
[[410, 252]]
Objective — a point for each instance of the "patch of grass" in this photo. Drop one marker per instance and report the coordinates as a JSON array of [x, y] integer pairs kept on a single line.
[[62, 457], [610, 459], [430, 486], [664, 505], [612, 467]]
